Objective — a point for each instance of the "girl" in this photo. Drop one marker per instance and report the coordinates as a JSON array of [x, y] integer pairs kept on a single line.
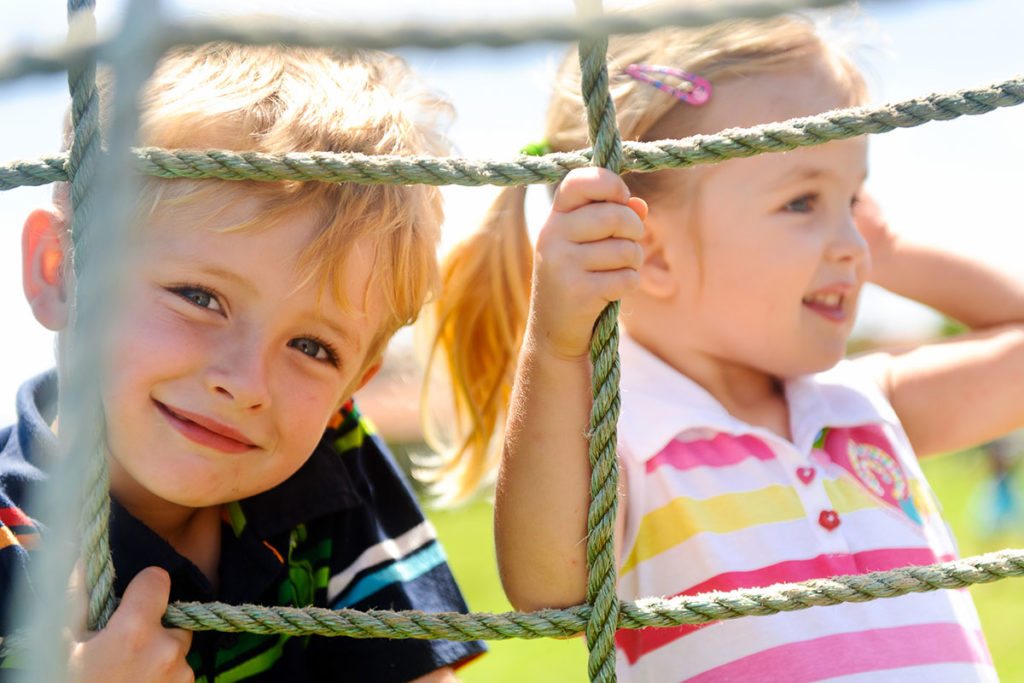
[[751, 452]]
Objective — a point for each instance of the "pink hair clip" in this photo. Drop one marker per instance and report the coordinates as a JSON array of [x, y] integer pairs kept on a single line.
[[692, 89]]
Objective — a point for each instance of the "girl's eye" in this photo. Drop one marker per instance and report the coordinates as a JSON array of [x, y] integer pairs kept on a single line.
[[199, 296], [315, 349], [804, 204]]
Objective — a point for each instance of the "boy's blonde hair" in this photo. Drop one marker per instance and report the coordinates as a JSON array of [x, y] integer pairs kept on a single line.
[[481, 313], [278, 99]]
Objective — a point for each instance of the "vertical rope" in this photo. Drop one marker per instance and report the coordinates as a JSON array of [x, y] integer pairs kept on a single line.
[[604, 413], [85, 152]]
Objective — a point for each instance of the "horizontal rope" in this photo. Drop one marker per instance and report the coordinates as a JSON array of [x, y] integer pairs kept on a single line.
[[495, 33], [639, 156], [660, 612]]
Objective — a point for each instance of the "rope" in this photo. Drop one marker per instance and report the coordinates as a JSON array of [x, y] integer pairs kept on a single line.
[[550, 623], [604, 411], [637, 156], [502, 33], [81, 169]]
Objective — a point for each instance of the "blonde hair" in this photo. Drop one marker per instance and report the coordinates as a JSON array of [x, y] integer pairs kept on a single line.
[[481, 313], [277, 99]]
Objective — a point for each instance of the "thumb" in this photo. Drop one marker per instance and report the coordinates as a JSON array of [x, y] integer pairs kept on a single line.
[[639, 206], [145, 598]]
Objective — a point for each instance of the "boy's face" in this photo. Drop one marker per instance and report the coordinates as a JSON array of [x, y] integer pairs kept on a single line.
[[225, 365]]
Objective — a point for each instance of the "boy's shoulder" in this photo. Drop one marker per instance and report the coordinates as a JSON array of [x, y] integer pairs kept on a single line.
[[28, 444], [23, 446]]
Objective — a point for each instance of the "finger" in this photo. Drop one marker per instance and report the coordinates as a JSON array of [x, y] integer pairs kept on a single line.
[[602, 221], [610, 254], [79, 602], [588, 185], [182, 636], [639, 207], [145, 598], [612, 285]]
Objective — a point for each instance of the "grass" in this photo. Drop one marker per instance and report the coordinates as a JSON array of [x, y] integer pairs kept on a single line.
[[957, 479]]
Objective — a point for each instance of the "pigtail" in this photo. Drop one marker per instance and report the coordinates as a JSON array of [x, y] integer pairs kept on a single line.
[[479, 321]]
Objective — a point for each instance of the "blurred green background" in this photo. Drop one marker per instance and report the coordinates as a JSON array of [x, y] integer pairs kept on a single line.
[[960, 480]]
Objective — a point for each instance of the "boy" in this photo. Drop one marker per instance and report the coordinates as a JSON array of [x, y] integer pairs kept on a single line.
[[247, 315]]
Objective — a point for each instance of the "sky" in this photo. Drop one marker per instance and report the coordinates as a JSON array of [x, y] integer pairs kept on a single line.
[[954, 184]]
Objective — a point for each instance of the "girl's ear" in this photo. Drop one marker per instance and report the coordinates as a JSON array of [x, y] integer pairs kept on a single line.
[[656, 277], [42, 268]]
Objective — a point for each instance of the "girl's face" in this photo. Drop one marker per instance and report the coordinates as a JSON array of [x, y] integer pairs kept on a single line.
[[764, 255]]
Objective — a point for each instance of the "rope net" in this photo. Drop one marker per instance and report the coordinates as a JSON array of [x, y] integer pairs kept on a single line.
[[603, 613]]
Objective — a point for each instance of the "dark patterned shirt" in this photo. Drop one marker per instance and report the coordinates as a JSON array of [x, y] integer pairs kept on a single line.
[[343, 532]]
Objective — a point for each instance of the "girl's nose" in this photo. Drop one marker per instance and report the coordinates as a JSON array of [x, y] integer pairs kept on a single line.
[[848, 244], [239, 374]]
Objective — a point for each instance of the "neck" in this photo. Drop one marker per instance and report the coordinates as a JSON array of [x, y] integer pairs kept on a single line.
[[748, 394], [192, 532]]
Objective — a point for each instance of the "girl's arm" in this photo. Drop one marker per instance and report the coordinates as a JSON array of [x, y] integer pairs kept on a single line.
[[586, 256], [962, 391]]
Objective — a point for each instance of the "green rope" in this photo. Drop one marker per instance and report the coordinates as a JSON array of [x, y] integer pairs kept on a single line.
[[504, 33], [604, 411], [81, 169], [551, 623], [638, 156]]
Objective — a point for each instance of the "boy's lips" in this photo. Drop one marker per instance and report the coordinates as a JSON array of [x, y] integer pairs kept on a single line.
[[205, 431]]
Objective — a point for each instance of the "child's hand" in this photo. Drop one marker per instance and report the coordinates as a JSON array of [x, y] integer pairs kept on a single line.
[[587, 255], [876, 232], [135, 646]]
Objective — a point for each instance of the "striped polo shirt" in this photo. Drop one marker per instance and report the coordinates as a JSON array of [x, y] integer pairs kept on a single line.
[[715, 504], [343, 532]]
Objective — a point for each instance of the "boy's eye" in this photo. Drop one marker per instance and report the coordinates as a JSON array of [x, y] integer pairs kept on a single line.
[[198, 296], [315, 349], [804, 204]]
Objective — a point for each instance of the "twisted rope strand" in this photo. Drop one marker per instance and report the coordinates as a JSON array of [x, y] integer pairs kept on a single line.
[[82, 159], [604, 357], [651, 612], [637, 156], [500, 33]]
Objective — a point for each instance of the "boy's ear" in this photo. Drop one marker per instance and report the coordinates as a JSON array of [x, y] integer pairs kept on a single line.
[[42, 268], [370, 373], [656, 277]]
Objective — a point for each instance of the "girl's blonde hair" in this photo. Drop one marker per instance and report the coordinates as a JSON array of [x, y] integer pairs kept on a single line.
[[278, 99], [480, 316]]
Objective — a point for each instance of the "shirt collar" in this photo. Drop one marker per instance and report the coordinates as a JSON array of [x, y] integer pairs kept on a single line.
[[36, 407], [659, 403], [323, 485]]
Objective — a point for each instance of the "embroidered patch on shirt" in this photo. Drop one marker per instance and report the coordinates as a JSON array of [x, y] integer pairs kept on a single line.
[[866, 453]]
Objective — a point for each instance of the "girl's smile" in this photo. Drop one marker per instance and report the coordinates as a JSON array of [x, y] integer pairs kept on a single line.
[[833, 303]]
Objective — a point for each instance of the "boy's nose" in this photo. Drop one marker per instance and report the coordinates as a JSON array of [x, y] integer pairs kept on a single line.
[[241, 377]]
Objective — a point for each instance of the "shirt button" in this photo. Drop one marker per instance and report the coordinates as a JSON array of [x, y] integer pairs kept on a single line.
[[805, 474], [829, 519]]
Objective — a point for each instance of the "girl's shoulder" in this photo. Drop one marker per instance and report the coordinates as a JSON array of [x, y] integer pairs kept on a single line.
[[850, 392]]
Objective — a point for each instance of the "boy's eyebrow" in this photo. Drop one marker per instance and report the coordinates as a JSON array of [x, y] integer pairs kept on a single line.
[[217, 271], [349, 338]]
